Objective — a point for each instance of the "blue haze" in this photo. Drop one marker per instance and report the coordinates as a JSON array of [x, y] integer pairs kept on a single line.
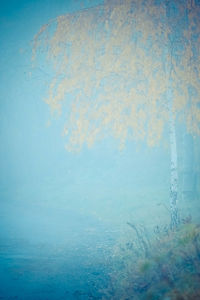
[[60, 213]]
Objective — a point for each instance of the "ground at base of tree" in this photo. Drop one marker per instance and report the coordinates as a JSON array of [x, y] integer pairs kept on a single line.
[[163, 265]]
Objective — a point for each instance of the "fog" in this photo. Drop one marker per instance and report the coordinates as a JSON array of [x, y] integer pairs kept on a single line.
[[63, 213]]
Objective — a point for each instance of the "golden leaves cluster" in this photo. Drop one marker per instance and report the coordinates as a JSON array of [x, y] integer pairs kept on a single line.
[[111, 61]]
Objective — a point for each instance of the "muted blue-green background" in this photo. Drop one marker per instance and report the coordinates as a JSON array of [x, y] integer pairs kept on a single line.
[[61, 213]]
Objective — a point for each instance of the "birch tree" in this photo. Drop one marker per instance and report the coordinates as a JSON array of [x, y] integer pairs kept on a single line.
[[128, 69]]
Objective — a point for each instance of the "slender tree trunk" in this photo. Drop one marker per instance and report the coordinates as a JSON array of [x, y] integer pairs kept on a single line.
[[173, 172], [172, 129], [173, 197]]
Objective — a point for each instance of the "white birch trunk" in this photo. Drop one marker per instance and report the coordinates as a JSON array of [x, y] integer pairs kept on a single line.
[[172, 129], [173, 170], [173, 197]]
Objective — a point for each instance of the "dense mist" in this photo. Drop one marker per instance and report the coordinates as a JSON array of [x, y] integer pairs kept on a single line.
[[100, 150]]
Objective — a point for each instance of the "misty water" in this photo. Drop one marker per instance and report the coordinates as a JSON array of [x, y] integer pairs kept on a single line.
[[74, 225]]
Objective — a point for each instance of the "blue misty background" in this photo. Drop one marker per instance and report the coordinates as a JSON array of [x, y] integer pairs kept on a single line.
[[61, 213]]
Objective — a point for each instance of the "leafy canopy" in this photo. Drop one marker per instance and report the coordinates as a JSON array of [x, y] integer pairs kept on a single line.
[[111, 64]]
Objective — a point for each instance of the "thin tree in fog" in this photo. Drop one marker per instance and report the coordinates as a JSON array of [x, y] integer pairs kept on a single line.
[[126, 68]]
